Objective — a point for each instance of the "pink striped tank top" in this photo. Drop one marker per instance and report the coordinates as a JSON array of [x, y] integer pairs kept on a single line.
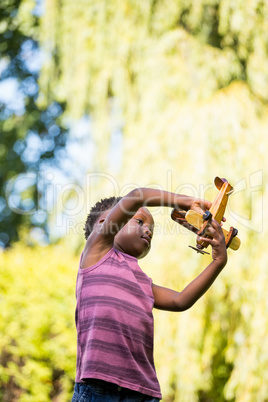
[[115, 325]]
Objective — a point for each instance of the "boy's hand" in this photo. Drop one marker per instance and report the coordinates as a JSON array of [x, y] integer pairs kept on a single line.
[[202, 206], [217, 242]]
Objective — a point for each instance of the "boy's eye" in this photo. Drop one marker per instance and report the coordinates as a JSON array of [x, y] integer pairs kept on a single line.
[[140, 222]]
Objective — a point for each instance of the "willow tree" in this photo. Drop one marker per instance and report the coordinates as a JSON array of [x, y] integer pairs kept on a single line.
[[185, 84]]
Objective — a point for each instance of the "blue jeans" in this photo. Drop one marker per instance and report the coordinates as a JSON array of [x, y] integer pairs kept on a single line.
[[101, 391]]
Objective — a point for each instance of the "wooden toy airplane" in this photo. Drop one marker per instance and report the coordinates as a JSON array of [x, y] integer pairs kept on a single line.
[[198, 223]]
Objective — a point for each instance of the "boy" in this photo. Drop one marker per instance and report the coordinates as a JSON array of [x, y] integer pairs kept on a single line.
[[115, 298]]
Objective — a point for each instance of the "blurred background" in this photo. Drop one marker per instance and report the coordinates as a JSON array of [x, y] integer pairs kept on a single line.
[[97, 98]]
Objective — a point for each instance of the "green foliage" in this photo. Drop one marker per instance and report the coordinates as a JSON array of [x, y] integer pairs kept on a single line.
[[107, 47], [38, 337], [190, 81]]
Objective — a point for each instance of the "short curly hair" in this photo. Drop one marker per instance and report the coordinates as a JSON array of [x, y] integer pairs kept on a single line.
[[97, 210]]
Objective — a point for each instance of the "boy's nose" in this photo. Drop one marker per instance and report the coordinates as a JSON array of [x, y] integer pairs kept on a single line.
[[148, 232]]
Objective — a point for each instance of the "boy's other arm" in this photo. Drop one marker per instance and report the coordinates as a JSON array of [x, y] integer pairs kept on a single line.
[[170, 300], [126, 208]]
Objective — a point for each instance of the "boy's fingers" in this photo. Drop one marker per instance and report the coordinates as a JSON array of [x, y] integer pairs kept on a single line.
[[212, 233], [216, 225], [214, 229], [208, 240], [201, 206], [206, 205]]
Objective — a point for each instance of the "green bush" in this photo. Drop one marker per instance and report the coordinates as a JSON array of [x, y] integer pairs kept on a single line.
[[38, 337]]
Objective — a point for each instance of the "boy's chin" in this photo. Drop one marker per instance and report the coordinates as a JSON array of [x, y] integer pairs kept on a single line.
[[144, 254]]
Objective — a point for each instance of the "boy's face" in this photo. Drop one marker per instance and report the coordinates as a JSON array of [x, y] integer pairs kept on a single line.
[[135, 237]]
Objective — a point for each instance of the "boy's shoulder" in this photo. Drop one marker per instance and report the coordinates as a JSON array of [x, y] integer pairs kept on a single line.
[[94, 251]]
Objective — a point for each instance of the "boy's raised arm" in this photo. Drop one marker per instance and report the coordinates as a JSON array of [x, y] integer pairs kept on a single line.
[[170, 300], [147, 197]]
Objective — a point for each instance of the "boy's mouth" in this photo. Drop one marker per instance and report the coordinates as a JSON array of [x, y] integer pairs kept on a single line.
[[147, 239]]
